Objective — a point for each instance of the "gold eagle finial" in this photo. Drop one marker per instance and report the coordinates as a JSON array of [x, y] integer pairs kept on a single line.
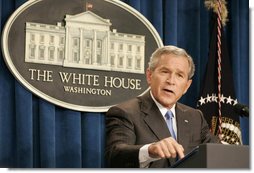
[[214, 5]]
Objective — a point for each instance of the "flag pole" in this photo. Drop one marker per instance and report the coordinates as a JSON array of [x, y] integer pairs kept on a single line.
[[219, 64]]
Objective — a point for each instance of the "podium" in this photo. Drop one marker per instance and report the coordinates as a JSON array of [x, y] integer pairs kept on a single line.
[[212, 155]]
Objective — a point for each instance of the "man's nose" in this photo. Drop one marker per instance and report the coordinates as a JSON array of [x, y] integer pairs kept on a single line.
[[171, 79]]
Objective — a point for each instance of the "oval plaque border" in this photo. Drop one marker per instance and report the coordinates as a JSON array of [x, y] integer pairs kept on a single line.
[[20, 78]]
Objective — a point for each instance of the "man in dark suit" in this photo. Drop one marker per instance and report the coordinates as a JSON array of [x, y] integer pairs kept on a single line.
[[137, 131]]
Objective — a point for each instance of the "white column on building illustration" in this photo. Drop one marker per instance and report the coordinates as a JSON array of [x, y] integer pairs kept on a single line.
[[94, 54], [55, 48], [67, 46], [108, 49], [102, 53], [104, 50], [28, 47], [38, 45], [81, 56], [142, 57], [124, 55], [37, 40]]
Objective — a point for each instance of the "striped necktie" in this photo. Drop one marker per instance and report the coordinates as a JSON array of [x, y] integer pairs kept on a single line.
[[169, 120]]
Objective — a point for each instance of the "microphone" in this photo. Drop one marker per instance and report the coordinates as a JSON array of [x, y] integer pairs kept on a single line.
[[241, 109]]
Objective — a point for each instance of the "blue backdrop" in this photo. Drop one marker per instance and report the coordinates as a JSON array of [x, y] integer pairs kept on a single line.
[[35, 133]]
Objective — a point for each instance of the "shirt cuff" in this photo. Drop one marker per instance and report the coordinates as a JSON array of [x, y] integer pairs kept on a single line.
[[144, 158]]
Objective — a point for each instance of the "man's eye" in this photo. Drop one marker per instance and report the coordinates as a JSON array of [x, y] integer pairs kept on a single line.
[[164, 71], [180, 75]]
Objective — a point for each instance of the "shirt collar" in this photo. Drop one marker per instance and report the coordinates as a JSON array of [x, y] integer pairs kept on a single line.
[[162, 109]]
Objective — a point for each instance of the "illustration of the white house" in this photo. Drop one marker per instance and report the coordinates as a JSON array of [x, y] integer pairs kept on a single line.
[[84, 41]]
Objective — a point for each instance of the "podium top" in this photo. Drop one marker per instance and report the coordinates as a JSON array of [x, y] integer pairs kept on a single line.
[[212, 155]]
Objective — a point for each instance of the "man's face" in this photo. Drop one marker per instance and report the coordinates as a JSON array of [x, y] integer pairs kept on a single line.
[[169, 81]]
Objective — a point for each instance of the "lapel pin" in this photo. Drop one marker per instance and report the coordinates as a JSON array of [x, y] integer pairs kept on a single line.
[[186, 121]]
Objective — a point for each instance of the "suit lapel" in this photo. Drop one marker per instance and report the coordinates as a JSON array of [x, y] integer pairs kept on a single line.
[[153, 117], [183, 127]]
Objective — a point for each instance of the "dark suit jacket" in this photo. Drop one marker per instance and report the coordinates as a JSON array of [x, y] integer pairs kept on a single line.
[[137, 122]]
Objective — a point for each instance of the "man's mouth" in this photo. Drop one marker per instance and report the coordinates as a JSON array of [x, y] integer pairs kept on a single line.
[[169, 91]]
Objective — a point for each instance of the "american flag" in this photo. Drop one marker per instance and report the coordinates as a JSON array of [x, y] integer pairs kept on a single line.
[[227, 125]]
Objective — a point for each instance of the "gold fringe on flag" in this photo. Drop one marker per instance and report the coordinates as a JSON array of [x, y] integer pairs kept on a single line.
[[213, 4]]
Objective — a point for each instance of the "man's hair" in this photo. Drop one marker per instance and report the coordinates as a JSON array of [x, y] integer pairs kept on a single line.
[[174, 51]]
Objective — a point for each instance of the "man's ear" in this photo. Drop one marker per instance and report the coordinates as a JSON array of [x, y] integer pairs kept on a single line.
[[148, 75], [187, 86]]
